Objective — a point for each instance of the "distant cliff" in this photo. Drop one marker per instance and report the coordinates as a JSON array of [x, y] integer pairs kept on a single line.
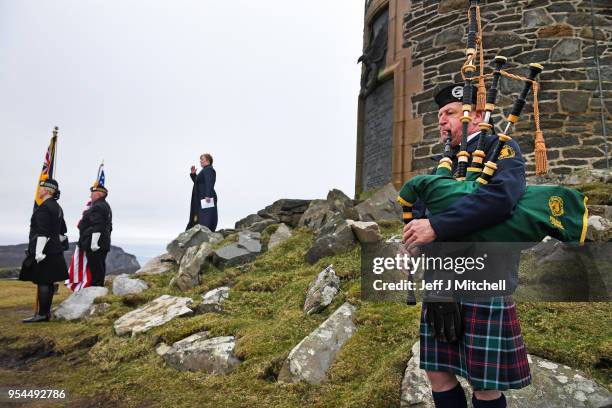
[[117, 261]]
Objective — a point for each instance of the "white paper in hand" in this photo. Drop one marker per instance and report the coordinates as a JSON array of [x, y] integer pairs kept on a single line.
[[206, 205]]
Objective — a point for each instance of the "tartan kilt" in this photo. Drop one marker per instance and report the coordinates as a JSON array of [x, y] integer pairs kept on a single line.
[[491, 355]]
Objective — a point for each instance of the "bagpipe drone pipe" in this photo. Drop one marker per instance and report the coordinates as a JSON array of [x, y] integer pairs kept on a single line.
[[544, 210]]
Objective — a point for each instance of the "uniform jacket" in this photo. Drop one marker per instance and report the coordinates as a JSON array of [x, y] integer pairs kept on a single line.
[[47, 221], [98, 218], [490, 204]]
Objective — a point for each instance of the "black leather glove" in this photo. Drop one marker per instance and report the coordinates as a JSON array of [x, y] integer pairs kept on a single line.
[[445, 320]]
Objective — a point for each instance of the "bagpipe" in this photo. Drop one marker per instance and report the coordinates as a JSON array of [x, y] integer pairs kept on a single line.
[[543, 210]]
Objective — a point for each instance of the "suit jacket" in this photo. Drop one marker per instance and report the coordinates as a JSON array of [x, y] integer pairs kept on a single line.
[[47, 221], [98, 218]]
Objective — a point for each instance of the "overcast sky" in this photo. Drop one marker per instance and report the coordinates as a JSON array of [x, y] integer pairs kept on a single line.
[[268, 87]]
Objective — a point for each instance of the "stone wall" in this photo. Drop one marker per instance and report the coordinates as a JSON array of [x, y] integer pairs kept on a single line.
[[555, 33]]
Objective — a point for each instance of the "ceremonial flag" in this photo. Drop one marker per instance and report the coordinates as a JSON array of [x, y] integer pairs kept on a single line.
[[48, 168], [79, 275]]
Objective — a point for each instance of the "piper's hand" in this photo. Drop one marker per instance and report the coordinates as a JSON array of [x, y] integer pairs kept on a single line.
[[40, 257], [418, 232], [193, 169]]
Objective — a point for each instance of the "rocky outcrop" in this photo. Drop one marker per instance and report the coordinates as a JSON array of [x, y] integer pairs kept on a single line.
[[118, 261], [312, 357], [282, 233], [199, 353], [319, 212], [244, 251], [124, 285], [334, 238], [155, 313], [382, 205], [261, 225], [212, 301], [365, 231], [160, 264], [321, 291], [191, 264], [288, 211], [553, 385], [192, 237], [247, 221], [78, 305]]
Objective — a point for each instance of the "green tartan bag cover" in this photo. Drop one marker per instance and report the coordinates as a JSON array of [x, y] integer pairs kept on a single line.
[[556, 211]]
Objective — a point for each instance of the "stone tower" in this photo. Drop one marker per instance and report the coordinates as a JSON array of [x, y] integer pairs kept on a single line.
[[410, 47]]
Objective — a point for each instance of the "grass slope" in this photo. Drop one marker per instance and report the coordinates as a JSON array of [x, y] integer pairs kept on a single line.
[[264, 312]]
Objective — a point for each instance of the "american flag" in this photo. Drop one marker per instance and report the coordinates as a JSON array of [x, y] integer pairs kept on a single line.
[[79, 275]]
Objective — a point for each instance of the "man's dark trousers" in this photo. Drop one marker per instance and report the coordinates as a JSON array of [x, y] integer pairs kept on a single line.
[[97, 266]]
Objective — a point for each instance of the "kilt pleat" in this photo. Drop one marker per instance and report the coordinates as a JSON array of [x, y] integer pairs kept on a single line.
[[491, 355]]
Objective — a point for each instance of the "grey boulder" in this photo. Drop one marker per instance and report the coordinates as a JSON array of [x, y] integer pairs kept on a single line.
[[282, 233], [78, 304], [310, 360], [261, 225], [321, 291], [192, 237], [382, 205], [334, 238], [160, 264], [199, 353], [319, 212], [247, 221], [212, 301], [155, 313], [599, 229], [365, 231], [188, 274], [244, 251], [124, 285], [250, 240], [553, 385]]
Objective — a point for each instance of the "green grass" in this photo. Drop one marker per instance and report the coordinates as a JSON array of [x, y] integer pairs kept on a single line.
[[264, 312]]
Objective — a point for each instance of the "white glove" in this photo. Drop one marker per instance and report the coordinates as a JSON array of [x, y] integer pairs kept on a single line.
[[40, 246], [94, 241]]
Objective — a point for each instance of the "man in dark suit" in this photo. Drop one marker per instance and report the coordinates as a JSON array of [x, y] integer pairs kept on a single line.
[[95, 233], [203, 196]]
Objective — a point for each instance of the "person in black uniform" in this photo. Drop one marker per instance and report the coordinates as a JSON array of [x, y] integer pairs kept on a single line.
[[45, 263], [95, 234], [203, 192]]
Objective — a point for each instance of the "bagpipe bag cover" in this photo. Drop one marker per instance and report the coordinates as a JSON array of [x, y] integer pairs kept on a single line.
[[556, 211]]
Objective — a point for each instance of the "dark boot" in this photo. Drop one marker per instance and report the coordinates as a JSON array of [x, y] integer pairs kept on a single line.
[[45, 297], [36, 319]]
